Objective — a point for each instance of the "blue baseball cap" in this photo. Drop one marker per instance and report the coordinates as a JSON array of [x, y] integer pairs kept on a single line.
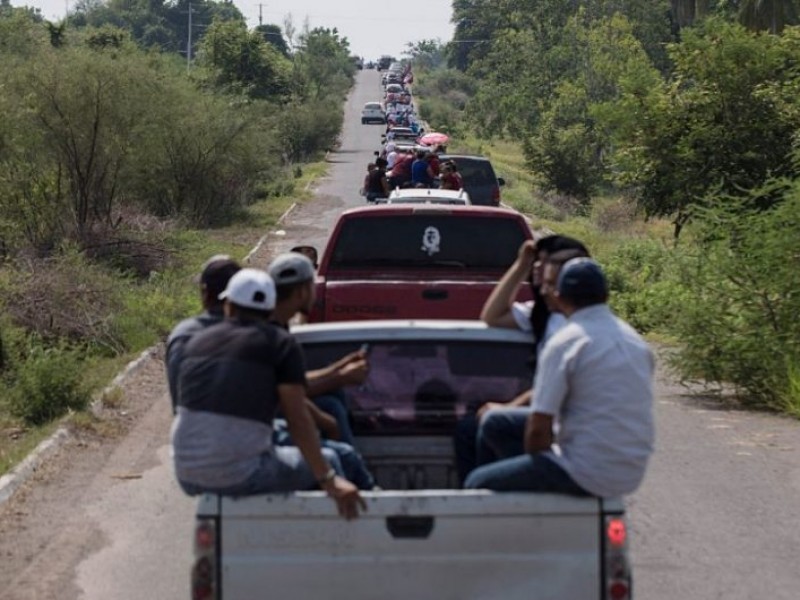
[[582, 278]]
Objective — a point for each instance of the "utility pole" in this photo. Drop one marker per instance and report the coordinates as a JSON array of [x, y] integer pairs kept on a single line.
[[189, 43], [260, 16]]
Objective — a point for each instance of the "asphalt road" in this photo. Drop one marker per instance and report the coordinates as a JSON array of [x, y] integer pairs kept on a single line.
[[717, 517]]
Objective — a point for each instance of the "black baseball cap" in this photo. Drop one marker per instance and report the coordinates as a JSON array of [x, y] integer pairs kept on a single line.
[[582, 278]]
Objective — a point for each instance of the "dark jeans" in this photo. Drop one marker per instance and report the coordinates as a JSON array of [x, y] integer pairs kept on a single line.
[[281, 470], [352, 465], [499, 435], [335, 404], [526, 473]]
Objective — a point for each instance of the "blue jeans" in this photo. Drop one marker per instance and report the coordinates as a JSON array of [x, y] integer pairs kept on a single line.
[[335, 404], [352, 465], [526, 473], [281, 470], [500, 434]]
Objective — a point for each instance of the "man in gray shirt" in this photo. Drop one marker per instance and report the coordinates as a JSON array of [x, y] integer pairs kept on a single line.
[[596, 377]]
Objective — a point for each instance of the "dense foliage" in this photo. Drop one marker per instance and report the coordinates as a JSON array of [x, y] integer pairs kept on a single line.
[[689, 109], [109, 145]]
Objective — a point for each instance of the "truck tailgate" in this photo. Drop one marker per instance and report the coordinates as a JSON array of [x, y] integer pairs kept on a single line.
[[443, 544], [398, 299]]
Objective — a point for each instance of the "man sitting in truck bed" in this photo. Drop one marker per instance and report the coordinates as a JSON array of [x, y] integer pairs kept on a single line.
[[233, 377], [596, 376]]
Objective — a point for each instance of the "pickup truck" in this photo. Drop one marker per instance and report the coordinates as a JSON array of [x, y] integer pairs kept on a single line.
[[398, 261], [422, 537]]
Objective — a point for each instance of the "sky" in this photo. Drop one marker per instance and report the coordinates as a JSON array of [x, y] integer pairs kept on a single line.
[[373, 27]]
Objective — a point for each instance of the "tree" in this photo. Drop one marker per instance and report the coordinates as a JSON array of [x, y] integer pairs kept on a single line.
[[769, 15], [323, 61], [272, 34], [238, 60], [725, 123], [426, 54]]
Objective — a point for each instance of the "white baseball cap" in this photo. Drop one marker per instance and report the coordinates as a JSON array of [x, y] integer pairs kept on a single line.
[[251, 288]]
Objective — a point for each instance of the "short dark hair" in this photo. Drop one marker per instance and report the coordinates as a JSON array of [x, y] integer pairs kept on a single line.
[[284, 292]]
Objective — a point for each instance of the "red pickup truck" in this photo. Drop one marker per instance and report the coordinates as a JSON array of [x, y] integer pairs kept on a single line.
[[416, 261]]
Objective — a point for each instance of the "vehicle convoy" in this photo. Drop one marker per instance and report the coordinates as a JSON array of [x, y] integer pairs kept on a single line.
[[422, 537], [404, 261]]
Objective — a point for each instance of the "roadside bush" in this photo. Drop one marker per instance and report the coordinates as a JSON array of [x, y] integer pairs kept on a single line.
[[738, 318], [643, 284], [304, 131], [46, 382], [64, 298]]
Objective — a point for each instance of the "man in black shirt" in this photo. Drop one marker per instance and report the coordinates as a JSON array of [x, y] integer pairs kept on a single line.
[[213, 279], [233, 377]]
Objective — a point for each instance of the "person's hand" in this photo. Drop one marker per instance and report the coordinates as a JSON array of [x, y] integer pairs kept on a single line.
[[355, 372], [489, 406], [349, 358], [527, 253], [347, 497]]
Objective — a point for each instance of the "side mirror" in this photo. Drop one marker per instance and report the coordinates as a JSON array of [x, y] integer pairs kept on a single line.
[[500, 181], [309, 251]]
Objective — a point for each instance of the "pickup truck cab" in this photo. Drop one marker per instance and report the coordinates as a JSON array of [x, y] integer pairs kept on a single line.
[[396, 261], [422, 537]]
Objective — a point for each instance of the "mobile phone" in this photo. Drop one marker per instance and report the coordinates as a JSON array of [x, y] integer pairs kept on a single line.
[[364, 348]]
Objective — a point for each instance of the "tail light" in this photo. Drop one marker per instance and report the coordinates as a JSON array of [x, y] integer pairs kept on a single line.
[[496, 195], [317, 313], [204, 570], [616, 566]]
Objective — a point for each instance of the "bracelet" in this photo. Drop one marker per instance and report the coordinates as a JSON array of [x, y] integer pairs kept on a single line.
[[327, 478]]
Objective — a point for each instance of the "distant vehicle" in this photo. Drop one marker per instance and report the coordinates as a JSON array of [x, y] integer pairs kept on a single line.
[[357, 61], [428, 196], [384, 62], [372, 113], [416, 261], [402, 134], [479, 178]]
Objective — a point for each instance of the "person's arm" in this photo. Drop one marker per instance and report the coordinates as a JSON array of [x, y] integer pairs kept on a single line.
[[550, 389], [351, 369], [324, 422], [538, 433], [496, 310], [524, 399], [304, 435]]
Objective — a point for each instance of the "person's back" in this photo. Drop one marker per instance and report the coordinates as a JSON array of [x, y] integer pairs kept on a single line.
[[420, 174], [376, 184], [218, 435], [606, 427]]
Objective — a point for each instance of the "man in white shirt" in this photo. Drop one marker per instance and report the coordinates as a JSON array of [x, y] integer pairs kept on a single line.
[[596, 377], [497, 429]]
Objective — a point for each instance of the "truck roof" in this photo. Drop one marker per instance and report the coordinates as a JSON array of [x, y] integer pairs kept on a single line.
[[399, 209]]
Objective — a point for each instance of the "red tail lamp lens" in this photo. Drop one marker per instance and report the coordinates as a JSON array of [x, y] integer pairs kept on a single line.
[[204, 538], [618, 591], [617, 532]]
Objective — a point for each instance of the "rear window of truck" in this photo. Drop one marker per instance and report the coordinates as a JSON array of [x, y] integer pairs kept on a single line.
[[423, 388], [475, 171], [428, 240]]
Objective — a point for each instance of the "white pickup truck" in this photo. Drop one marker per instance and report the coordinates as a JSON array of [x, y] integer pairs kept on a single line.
[[422, 537]]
